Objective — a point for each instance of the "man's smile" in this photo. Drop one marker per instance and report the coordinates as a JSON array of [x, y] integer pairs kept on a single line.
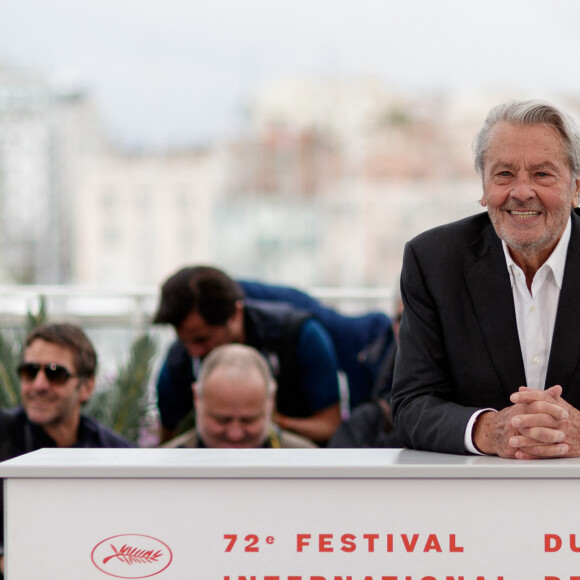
[[523, 214]]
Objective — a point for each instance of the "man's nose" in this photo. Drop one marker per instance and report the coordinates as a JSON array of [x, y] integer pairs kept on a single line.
[[523, 188], [40, 382], [235, 432]]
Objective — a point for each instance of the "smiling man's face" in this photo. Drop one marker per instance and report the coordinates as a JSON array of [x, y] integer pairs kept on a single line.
[[53, 404], [528, 188]]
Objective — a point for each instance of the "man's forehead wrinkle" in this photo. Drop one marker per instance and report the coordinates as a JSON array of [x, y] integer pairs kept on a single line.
[[521, 159], [500, 138], [524, 163]]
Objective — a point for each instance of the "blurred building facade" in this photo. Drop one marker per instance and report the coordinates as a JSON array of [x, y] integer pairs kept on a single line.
[[324, 188], [47, 126], [140, 216]]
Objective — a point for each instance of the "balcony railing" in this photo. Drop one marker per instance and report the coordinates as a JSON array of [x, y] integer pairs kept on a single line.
[[134, 307], [113, 317]]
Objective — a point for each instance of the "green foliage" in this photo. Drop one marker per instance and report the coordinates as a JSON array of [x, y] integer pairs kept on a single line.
[[10, 349], [41, 317], [11, 345], [124, 403]]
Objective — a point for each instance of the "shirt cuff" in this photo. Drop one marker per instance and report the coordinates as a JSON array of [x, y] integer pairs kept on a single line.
[[468, 437]]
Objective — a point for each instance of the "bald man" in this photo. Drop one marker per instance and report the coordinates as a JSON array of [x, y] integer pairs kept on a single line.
[[234, 404]]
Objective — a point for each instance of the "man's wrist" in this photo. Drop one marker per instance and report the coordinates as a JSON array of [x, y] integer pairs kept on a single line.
[[480, 433]]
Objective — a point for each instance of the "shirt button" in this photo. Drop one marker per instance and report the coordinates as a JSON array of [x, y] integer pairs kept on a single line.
[[536, 360], [532, 308]]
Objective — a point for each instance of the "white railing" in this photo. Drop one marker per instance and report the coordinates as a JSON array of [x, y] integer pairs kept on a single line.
[[113, 317], [134, 307]]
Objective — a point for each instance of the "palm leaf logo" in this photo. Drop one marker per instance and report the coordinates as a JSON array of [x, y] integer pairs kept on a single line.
[[130, 555]]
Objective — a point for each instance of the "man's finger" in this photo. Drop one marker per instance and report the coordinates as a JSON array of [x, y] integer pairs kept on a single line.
[[530, 420], [543, 451], [537, 436]]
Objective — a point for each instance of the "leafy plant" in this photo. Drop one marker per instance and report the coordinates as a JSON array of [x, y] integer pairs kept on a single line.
[[11, 345], [124, 403], [41, 316], [10, 349]]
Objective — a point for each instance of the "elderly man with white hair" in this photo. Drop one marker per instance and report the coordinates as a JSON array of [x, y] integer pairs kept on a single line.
[[489, 345]]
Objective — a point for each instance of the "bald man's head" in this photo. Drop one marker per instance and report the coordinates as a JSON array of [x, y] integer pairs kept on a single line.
[[234, 398]]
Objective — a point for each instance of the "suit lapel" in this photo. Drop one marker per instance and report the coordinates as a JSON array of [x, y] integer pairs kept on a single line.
[[490, 291], [565, 349]]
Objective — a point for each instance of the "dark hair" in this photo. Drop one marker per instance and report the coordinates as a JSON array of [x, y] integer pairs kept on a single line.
[[203, 289], [74, 339]]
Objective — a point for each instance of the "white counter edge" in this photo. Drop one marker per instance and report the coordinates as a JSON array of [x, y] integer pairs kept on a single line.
[[276, 463]]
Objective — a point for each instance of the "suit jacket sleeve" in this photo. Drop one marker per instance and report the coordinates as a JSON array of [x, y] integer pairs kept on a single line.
[[426, 416], [459, 348]]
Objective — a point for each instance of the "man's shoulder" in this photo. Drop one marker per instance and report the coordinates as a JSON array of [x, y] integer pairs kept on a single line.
[[465, 228], [462, 241], [290, 440], [12, 428], [10, 416], [92, 433], [267, 323], [177, 354], [270, 309]]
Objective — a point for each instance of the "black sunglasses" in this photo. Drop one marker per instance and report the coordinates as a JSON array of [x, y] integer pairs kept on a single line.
[[55, 374]]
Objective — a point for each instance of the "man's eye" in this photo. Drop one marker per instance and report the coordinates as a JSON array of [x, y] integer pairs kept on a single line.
[[248, 420], [504, 173], [542, 174]]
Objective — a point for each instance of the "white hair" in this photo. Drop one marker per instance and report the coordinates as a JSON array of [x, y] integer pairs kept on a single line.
[[530, 113]]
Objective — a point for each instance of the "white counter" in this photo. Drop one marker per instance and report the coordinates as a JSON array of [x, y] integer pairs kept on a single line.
[[373, 514]]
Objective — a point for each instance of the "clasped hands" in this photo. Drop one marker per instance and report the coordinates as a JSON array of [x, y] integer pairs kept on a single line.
[[539, 424]]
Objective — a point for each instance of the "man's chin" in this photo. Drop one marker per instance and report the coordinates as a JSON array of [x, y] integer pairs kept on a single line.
[[40, 415]]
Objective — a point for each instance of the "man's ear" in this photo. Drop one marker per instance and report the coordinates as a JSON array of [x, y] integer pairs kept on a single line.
[[195, 395], [239, 314], [235, 323], [576, 192], [271, 401], [86, 388], [482, 201]]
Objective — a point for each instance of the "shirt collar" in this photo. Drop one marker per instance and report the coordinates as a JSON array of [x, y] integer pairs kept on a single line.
[[556, 261]]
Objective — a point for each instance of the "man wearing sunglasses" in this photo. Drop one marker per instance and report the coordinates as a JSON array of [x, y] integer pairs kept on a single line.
[[57, 376]]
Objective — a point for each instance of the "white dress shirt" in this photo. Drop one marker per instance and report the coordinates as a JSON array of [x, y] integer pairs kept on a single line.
[[535, 316]]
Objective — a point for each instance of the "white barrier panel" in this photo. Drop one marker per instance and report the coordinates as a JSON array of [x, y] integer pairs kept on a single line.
[[84, 514]]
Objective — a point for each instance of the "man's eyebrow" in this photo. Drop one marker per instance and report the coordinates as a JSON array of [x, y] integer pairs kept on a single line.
[[508, 165], [544, 165], [221, 416], [502, 164]]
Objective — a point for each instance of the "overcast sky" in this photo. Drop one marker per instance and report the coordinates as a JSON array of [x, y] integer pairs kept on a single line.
[[178, 71]]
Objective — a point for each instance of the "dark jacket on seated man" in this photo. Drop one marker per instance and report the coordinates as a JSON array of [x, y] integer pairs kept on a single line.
[[18, 435]]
